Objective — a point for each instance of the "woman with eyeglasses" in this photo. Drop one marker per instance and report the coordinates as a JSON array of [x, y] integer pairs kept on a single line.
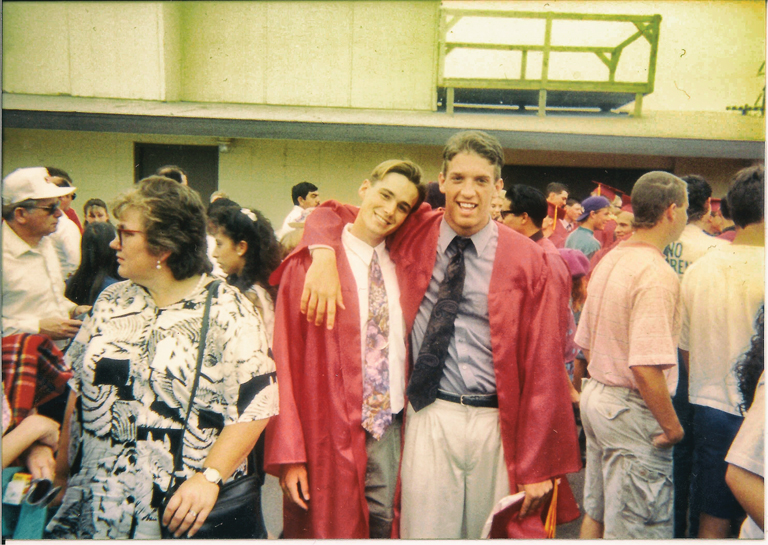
[[247, 251], [134, 363]]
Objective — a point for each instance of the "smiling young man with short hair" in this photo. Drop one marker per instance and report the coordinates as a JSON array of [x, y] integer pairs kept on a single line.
[[594, 216], [336, 444], [489, 410]]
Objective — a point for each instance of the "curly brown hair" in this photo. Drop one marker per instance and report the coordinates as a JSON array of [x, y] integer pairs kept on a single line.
[[174, 220]]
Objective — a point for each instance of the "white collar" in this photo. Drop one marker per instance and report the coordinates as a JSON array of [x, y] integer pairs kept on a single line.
[[360, 248]]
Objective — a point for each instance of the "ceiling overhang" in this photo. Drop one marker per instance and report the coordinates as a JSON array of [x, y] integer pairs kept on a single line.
[[585, 133]]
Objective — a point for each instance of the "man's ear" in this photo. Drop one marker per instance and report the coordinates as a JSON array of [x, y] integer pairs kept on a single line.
[[525, 218], [363, 189], [441, 182], [499, 185], [19, 215], [670, 212], [301, 201]]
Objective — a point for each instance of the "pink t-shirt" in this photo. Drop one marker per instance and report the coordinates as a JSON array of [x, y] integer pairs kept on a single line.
[[631, 316]]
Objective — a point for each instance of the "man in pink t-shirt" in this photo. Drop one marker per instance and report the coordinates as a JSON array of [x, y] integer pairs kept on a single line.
[[629, 331]]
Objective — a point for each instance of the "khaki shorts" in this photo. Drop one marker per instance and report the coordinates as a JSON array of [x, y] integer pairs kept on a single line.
[[628, 485]]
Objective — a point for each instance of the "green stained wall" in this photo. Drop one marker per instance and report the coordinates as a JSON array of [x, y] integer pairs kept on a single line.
[[260, 173], [338, 54]]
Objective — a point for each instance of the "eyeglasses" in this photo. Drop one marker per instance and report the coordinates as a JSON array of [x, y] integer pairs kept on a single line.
[[121, 231], [505, 213], [50, 209]]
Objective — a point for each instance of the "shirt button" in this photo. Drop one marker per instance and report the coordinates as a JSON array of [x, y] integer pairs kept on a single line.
[[464, 367]]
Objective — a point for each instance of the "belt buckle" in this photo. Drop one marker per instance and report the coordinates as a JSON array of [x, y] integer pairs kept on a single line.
[[461, 401]]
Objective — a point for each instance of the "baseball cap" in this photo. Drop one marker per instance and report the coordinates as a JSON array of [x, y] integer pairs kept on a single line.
[[593, 204], [30, 183]]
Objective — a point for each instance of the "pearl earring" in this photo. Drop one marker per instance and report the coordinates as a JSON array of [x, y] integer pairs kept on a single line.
[[158, 265]]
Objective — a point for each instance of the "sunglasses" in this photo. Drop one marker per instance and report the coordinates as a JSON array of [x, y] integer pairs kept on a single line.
[[121, 232], [41, 492], [50, 209], [505, 213]]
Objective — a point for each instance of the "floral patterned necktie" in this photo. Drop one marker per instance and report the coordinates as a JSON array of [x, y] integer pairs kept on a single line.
[[377, 411], [428, 369]]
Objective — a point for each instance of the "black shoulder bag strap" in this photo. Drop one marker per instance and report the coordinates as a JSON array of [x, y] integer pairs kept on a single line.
[[177, 463]]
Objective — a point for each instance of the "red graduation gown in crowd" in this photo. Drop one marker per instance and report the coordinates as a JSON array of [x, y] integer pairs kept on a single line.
[[606, 235], [562, 285], [537, 426], [560, 233], [321, 396]]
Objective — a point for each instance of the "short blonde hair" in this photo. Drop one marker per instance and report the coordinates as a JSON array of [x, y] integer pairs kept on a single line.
[[409, 169]]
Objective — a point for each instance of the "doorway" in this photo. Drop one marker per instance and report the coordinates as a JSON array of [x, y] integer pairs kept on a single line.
[[200, 163]]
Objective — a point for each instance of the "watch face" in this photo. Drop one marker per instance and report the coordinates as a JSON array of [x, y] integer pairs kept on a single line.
[[212, 475]]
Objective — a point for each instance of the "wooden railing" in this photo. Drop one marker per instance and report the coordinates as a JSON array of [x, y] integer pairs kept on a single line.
[[647, 27]]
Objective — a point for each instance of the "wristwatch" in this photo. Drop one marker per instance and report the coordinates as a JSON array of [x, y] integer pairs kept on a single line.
[[212, 476]]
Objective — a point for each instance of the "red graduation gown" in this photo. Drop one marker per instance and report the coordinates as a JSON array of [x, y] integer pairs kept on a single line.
[[606, 236], [321, 391], [560, 233], [536, 418], [562, 284]]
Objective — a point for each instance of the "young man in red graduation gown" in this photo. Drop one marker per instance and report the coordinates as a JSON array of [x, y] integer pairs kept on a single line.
[[336, 443], [503, 374]]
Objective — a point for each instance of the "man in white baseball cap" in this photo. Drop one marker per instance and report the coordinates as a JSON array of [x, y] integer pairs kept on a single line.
[[33, 288]]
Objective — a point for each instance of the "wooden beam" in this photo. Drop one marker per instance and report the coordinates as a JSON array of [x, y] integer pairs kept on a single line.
[[544, 15], [638, 105]]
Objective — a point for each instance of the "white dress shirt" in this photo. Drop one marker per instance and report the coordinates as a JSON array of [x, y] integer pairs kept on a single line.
[[293, 216], [66, 240], [33, 287], [359, 255]]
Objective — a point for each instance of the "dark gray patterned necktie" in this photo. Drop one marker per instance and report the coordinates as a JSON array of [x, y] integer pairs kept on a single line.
[[428, 369]]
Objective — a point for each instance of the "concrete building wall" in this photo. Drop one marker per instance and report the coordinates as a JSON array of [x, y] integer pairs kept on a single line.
[[93, 49], [260, 173], [379, 55], [330, 54]]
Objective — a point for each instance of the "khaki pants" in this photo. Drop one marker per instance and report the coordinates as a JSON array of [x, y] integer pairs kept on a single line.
[[628, 481], [381, 479], [453, 471]]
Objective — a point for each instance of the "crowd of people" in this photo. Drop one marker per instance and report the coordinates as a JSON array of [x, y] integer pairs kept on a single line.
[[405, 367]]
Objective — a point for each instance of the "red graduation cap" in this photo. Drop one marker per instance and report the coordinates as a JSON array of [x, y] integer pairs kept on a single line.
[[607, 191]]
